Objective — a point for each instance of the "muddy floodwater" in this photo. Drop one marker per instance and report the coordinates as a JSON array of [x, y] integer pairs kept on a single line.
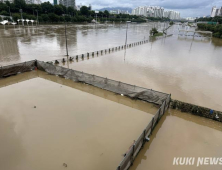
[[45, 122], [181, 135], [191, 70], [48, 42]]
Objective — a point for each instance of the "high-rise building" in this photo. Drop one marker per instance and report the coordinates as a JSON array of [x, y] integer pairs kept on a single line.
[[68, 3], [11, 1], [33, 1], [55, 2], [216, 11], [172, 14], [219, 12], [213, 11], [156, 12]]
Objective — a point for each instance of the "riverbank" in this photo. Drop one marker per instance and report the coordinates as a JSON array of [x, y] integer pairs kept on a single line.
[[216, 29]]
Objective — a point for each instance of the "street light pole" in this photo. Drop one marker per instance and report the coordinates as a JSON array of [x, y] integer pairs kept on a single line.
[[67, 52], [126, 32], [37, 21], [22, 17], [10, 11]]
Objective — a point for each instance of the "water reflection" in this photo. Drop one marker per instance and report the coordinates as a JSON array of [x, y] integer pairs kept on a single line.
[[48, 42], [189, 69], [11, 146], [9, 50]]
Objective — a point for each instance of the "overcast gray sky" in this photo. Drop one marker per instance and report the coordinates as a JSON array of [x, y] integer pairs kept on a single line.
[[187, 8]]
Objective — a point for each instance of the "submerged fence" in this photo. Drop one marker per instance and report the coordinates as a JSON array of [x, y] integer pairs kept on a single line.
[[14, 69], [100, 52], [131, 91], [144, 137], [118, 87]]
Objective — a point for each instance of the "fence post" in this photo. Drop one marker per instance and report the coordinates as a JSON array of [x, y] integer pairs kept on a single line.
[[158, 116], [144, 138], [164, 106], [1, 72], [132, 154], [152, 126], [169, 102]]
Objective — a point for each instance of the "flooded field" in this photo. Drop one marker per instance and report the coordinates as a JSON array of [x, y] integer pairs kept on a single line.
[[188, 69], [89, 128], [44, 124], [181, 135], [48, 42]]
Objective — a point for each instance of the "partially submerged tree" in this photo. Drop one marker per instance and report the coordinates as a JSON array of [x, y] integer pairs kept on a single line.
[[153, 31]]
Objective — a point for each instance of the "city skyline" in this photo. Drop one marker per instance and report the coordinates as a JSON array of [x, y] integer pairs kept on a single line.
[[156, 12], [188, 8]]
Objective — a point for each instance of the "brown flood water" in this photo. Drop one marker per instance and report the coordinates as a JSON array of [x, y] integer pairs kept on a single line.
[[181, 135], [68, 125], [53, 134], [48, 42], [188, 69], [191, 70]]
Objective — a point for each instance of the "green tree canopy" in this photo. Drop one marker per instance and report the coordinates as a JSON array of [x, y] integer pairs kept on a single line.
[[84, 10], [106, 13], [58, 10], [47, 7], [5, 13]]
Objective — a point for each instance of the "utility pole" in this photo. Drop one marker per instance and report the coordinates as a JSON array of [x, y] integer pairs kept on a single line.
[[22, 17], [67, 52], [10, 11], [127, 22], [37, 21]]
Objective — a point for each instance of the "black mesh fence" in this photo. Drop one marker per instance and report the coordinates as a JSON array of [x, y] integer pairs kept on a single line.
[[144, 137], [14, 69], [118, 87], [135, 92]]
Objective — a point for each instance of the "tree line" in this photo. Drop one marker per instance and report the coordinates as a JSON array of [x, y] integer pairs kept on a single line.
[[48, 13], [211, 19], [216, 29]]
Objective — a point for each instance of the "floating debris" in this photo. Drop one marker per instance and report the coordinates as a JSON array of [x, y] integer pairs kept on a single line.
[[65, 165], [56, 62]]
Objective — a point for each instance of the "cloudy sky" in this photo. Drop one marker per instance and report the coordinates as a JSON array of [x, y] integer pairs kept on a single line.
[[187, 8]]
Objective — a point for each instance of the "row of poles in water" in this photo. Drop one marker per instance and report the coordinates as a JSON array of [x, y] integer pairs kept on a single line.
[[103, 51]]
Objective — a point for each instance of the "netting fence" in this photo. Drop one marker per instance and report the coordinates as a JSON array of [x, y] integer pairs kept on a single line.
[[118, 87], [144, 137], [14, 69], [132, 91]]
